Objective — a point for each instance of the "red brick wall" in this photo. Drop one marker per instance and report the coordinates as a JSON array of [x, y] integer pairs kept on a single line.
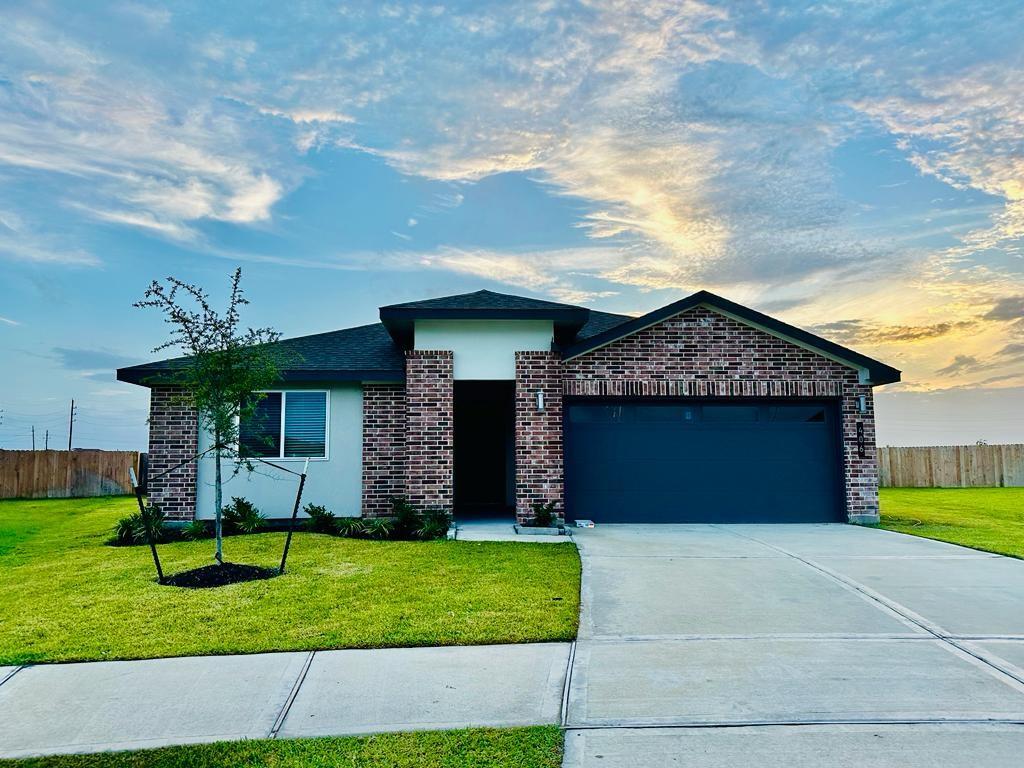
[[384, 427], [701, 353], [429, 396], [173, 438], [538, 433]]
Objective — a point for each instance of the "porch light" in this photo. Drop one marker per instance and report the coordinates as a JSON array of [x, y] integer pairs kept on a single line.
[[862, 403], [540, 400]]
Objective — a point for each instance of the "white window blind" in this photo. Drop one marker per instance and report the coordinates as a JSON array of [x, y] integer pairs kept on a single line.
[[286, 425], [305, 424]]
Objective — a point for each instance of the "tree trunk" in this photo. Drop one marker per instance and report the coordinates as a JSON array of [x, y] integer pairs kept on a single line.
[[218, 500]]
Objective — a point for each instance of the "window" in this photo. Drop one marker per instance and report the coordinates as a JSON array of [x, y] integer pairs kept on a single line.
[[286, 425]]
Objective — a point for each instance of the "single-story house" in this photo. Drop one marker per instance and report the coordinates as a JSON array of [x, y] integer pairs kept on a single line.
[[488, 403]]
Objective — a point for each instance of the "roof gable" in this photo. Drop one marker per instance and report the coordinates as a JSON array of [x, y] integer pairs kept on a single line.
[[400, 319], [871, 371]]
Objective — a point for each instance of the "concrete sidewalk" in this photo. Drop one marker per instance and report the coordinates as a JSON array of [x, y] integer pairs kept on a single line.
[[137, 704]]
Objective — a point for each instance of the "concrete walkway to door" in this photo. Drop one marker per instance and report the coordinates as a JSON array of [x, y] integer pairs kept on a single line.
[[794, 645]]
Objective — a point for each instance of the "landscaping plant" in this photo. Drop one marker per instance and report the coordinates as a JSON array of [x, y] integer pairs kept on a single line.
[[131, 529], [241, 516], [195, 530], [321, 519], [223, 366], [544, 514]]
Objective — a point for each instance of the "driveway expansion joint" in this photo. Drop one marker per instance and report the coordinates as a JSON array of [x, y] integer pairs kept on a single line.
[[286, 708], [12, 673]]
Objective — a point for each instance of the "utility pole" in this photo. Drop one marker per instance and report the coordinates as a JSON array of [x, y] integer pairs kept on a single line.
[[33, 437], [46, 441], [71, 424]]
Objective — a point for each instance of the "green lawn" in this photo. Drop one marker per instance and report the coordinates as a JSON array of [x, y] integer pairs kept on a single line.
[[991, 519], [64, 596], [538, 747]]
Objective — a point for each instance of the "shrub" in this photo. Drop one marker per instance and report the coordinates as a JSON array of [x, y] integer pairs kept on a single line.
[[378, 528], [196, 530], [544, 514], [241, 516], [132, 528], [321, 519], [406, 518], [433, 524], [351, 527]]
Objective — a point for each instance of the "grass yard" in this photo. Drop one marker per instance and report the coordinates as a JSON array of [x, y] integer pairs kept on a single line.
[[991, 519], [538, 747], [64, 596]]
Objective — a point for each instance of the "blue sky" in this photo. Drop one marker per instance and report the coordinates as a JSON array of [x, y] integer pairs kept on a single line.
[[854, 168]]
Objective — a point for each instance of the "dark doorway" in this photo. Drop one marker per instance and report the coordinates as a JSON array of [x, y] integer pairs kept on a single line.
[[484, 448]]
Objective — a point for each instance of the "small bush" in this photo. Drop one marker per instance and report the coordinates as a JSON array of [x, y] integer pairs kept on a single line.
[[350, 527], [321, 519], [544, 514], [378, 528], [433, 524], [241, 516], [196, 530], [406, 518], [132, 528]]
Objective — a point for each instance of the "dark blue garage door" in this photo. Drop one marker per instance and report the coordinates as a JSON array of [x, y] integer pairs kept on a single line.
[[711, 462]]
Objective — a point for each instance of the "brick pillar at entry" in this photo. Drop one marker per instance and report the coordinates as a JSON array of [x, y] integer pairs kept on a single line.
[[430, 423], [538, 432]]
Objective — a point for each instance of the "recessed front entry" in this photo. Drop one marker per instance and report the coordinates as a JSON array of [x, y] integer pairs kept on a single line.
[[703, 462], [484, 447]]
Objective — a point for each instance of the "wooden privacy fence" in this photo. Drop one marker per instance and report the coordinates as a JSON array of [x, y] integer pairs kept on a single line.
[[63, 474], [952, 466]]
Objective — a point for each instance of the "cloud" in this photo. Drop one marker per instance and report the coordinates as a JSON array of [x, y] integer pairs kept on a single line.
[[9, 321], [960, 364], [1008, 308], [306, 116], [866, 332], [74, 359], [130, 146]]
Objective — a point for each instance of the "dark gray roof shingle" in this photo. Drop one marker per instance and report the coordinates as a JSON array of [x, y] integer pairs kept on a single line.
[[482, 300]]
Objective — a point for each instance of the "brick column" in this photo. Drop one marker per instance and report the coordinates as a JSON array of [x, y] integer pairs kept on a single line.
[[430, 400], [861, 474], [173, 438], [538, 433], [383, 447]]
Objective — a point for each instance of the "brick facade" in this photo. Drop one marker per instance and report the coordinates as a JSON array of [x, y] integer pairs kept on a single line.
[[408, 429], [384, 428], [173, 438], [538, 432], [701, 353], [430, 423]]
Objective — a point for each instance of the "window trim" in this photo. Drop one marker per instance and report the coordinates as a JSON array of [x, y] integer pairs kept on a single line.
[[284, 418]]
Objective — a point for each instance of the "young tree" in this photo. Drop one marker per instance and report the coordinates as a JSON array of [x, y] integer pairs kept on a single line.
[[223, 368]]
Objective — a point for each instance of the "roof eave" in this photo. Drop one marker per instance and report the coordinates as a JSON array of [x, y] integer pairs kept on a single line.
[[155, 377]]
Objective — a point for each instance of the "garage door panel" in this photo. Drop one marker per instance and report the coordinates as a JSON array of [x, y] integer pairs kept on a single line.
[[760, 462]]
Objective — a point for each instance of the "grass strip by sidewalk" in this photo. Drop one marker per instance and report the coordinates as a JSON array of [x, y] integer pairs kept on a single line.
[[65, 596], [989, 519], [536, 747]]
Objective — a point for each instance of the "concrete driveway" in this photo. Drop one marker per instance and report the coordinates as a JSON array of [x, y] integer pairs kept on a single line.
[[782, 644]]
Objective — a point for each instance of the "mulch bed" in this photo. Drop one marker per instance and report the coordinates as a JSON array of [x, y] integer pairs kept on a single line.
[[219, 576]]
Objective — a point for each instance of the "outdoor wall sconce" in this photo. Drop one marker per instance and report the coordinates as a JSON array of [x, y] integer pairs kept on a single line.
[[540, 400], [862, 403]]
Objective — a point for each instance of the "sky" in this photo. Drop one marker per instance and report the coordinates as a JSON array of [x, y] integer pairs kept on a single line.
[[856, 169]]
